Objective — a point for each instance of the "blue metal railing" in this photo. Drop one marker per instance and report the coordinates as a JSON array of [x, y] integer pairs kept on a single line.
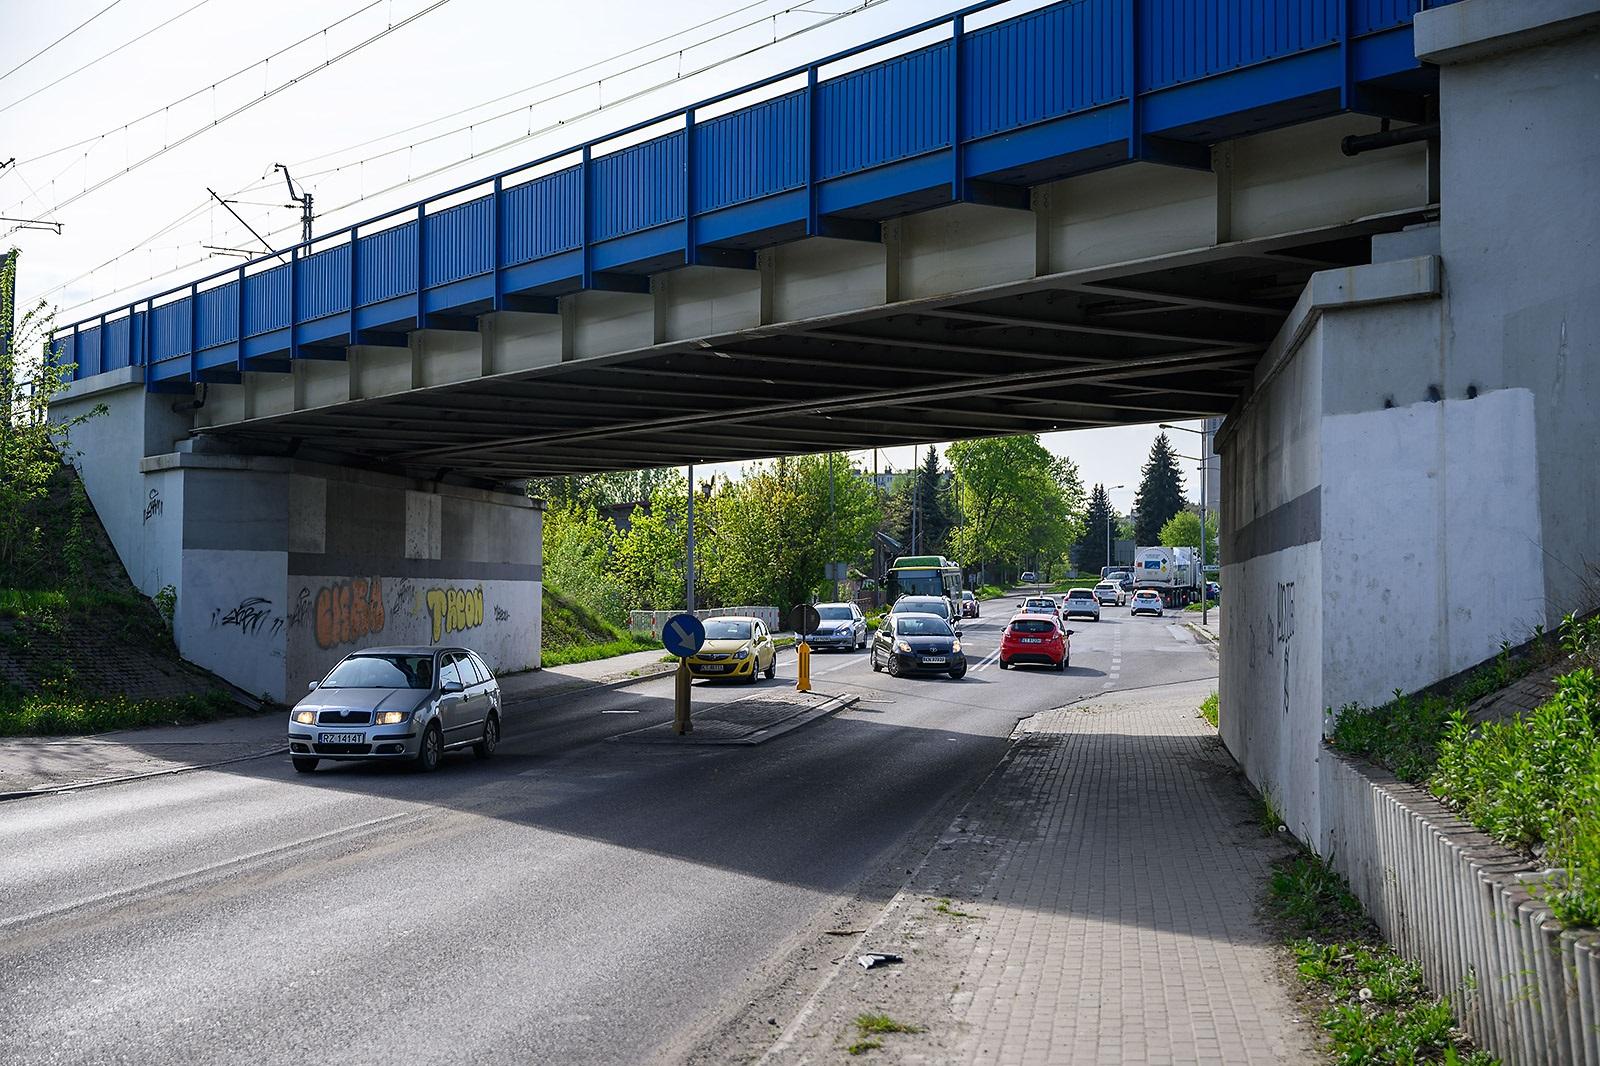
[[1010, 104]]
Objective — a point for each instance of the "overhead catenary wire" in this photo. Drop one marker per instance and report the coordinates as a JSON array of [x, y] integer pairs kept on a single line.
[[192, 134], [105, 55], [58, 40]]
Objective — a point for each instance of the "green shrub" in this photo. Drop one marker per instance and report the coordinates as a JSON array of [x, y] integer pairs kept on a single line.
[[55, 710], [1208, 709]]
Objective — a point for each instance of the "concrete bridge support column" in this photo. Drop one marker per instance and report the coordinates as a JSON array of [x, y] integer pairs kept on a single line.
[[1413, 479], [282, 566]]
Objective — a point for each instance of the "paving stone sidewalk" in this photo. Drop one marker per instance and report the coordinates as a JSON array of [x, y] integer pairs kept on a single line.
[[1096, 902]]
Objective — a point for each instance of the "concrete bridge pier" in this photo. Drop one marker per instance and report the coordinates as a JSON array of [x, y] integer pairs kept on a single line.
[[280, 566], [1412, 479]]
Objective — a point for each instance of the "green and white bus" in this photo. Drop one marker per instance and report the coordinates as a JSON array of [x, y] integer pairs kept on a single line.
[[926, 575]]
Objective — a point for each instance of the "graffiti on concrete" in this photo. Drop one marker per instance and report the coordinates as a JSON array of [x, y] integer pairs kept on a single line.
[[501, 614], [301, 610], [349, 610], [1286, 633], [152, 506], [453, 610], [249, 616]]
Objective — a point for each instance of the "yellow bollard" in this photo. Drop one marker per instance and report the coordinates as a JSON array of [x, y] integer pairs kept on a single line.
[[680, 716], [804, 684]]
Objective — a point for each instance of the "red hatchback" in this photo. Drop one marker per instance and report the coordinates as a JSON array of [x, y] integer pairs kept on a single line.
[[1036, 638]]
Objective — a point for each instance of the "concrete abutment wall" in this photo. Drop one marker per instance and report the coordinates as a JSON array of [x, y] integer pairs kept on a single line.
[[280, 567]]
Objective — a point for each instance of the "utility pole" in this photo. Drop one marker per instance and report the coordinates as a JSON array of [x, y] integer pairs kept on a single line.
[[688, 568], [833, 543], [302, 198]]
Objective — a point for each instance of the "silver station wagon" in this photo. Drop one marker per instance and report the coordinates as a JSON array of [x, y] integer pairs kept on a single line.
[[406, 704]]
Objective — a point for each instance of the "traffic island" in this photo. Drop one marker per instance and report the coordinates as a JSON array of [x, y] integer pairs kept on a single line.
[[755, 719]]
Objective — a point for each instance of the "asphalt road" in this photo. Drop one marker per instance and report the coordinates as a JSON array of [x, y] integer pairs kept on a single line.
[[571, 900]]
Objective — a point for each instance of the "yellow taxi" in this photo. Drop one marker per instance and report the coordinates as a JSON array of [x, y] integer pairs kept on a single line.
[[736, 646]]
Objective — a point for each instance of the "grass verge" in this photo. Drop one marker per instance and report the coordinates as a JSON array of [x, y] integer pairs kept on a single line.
[[1209, 710], [574, 634], [1531, 782], [47, 713], [1376, 1008]]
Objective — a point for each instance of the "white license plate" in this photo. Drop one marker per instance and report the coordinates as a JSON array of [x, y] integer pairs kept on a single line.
[[342, 738], [933, 658], [711, 668], [1032, 640]]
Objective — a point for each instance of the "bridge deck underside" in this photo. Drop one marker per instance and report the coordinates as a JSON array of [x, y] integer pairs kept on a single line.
[[1153, 342]]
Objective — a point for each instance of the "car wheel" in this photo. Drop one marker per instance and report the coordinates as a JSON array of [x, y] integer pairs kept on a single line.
[[430, 753], [1004, 665], [872, 657], [304, 766], [491, 737], [772, 667], [894, 666], [1062, 665], [957, 675], [1066, 663], [755, 672]]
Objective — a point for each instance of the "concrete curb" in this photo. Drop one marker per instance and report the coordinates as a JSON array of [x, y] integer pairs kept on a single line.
[[1202, 632], [283, 749]]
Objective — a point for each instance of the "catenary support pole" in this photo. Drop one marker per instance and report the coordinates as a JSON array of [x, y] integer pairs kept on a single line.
[[688, 566]]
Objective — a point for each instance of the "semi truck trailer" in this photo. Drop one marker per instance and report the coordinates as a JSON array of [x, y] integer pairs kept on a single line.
[[1174, 573]]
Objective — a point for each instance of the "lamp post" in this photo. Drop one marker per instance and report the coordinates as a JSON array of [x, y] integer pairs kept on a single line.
[[688, 566], [1205, 448], [1109, 511]]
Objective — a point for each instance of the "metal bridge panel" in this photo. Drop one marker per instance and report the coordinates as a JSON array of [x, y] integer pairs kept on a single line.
[[118, 343], [889, 111], [458, 242], [169, 330], [386, 266], [323, 280], [1200, 38], [1045, 64], [217, 317], [754, 152], [1367, 16], [541, 217], [638, 187], [266, 301]]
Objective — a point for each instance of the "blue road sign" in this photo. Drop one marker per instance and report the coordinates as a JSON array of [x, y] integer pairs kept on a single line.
[[683, 634]]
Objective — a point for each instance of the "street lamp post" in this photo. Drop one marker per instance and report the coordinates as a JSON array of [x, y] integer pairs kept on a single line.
[[1205, 457], [1109, 510]]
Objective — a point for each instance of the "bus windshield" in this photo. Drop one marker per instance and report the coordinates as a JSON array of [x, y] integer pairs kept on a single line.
[[916, 583]]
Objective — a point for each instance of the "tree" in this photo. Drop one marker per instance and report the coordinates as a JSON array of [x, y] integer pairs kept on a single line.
[[599, 490], [1160, 492], [648, 558], [577, 559], [31, 443], [1018, 502], [1092, 552], [1183, 530]]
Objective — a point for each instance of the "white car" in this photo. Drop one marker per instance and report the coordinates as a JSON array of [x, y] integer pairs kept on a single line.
[[1081, 602], [1110, 594], [1146, 601]]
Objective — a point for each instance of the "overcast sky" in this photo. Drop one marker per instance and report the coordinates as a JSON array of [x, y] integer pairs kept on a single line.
[[370, 131]]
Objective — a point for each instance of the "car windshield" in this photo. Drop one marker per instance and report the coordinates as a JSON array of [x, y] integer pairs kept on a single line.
[[382, 671], [922, 627], [717, 629], [833, 614], [918, 606], [1032, 625], [968, 596]]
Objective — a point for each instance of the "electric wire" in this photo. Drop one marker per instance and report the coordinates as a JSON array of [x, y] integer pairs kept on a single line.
[[192, 134], [58, 40], [826, 19], [104, 55]]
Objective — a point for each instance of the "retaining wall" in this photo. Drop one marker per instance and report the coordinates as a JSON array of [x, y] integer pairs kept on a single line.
[[649, 623], [1467, 909]]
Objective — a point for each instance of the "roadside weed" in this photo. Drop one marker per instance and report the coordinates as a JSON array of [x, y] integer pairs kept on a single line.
[[869, 1024], [861, 1047], [944, 907], [1269, 815]]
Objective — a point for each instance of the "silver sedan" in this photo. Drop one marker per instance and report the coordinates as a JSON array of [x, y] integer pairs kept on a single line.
[[398, 704]]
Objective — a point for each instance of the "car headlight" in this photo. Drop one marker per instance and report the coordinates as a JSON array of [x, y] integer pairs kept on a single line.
[[903, 645], [955, 646], [742, 654], [306, 717], [391, 717]]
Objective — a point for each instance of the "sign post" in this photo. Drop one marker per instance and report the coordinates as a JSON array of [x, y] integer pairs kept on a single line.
[[804, 620], [682, 635]]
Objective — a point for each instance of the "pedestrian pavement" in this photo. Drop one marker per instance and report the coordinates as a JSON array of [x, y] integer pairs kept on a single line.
[[1097, 901], [47, 764]]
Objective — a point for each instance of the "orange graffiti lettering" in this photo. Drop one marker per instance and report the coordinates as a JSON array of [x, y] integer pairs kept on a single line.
[[348, 610]]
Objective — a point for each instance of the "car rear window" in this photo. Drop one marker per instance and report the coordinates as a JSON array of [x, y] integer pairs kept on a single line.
[[1080, 594], [1032, 625]]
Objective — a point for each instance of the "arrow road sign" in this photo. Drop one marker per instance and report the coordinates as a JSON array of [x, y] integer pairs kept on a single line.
[[683, 634]]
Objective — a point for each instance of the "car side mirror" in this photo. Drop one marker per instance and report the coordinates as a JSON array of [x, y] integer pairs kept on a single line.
[[1071, 631], [311, 687], [451, 686]]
